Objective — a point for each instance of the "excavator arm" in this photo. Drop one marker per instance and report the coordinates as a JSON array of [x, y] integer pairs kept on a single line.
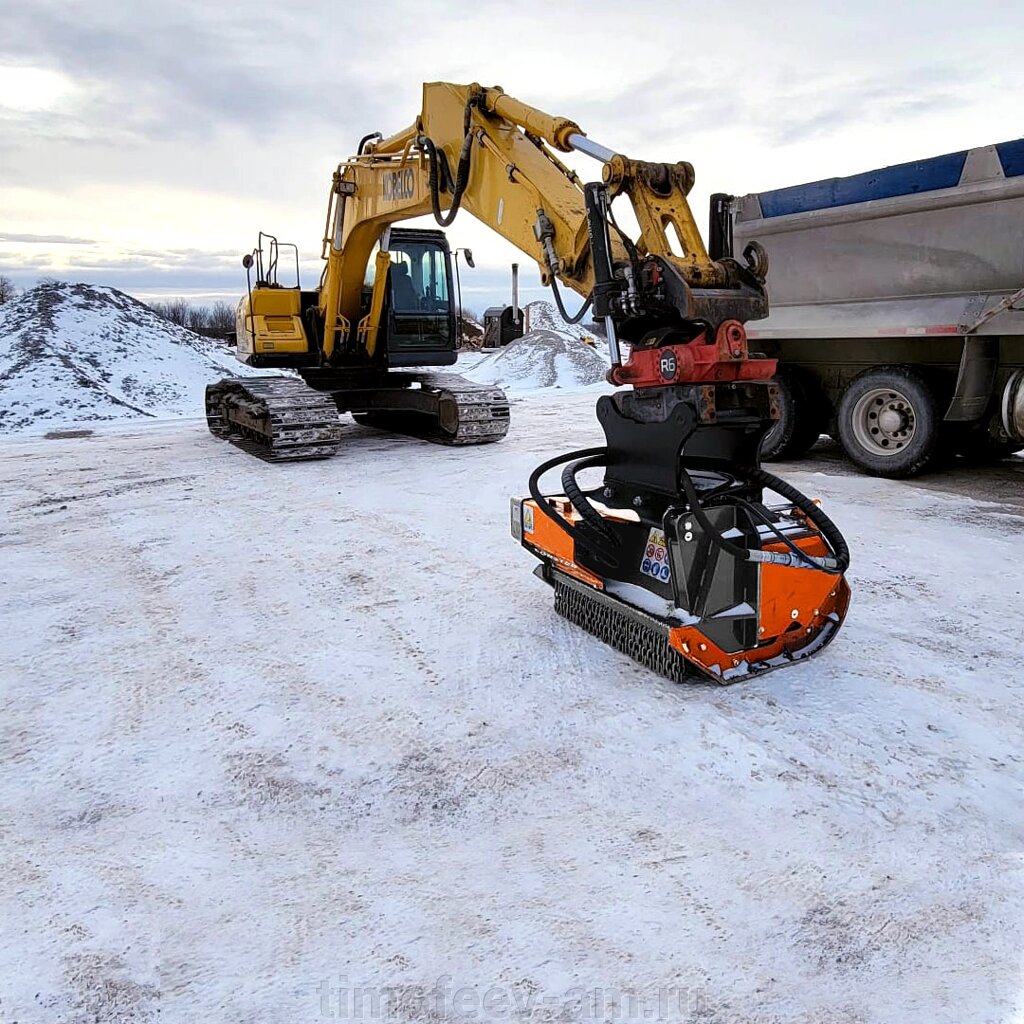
[[480, 150]]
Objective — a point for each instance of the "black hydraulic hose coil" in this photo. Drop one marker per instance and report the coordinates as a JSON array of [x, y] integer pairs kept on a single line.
[[558, 460], [692, 498], [594, 457], [578, 499], [461, 173], [598, 535], [829, 530], [577, 317], [763, 478]]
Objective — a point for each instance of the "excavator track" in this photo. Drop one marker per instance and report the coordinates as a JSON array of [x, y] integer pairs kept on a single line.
[[277, 418], [284, 419], [629, 630], [479, 413]]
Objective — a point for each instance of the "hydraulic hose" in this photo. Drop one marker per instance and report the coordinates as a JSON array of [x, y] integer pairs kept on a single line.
[[461, 174], [829, 530], [598, 536], [561, 308], [558, 460], [461, 178], [836, 565], [578, 499], [736, 550], [368, 138], [595, 542], [759, 513]]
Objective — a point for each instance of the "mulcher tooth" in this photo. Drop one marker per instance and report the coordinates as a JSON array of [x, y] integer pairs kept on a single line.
[[640, 636]]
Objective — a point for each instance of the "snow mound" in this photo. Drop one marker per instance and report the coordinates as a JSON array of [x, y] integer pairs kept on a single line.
[[542, 359], [544, 316], [77, 352]]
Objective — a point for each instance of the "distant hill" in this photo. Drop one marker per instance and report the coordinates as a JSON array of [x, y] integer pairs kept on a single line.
[[73, 353]]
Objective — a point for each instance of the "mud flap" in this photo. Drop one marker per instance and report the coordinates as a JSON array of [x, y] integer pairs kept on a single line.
[[975, 380]]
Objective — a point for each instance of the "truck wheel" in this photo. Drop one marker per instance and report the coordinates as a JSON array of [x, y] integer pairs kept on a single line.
[[978, 447], [889, 422], [802, 418]]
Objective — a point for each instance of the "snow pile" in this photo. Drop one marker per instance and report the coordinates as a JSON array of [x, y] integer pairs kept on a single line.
[[77, 352], [542, 359], [544, 316]]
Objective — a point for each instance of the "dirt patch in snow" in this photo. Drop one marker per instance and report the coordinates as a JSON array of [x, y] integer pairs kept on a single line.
[[107, 992]]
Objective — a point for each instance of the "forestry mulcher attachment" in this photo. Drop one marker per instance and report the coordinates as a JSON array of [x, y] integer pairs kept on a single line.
[[675, 558]]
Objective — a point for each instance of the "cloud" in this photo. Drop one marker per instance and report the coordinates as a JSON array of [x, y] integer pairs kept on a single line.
[[179, 129], [29, 239], [782, 107], [184, 71]]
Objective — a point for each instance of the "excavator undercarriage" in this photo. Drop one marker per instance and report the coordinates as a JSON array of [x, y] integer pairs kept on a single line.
[[279, 418]]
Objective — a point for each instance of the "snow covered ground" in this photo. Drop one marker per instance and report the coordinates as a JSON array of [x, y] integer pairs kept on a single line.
[[275, 734]]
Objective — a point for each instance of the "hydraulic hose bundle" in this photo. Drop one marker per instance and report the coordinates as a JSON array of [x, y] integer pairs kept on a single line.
[[598, 535], [461, 174]]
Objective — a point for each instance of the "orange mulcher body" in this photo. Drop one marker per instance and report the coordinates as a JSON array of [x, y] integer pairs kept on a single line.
[[676, 559], [799, 613]]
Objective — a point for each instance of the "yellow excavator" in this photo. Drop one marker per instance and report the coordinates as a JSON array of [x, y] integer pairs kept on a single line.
[[674, 559]]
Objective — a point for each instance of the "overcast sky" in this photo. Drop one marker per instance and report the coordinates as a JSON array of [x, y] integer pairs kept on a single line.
[[144, 143]]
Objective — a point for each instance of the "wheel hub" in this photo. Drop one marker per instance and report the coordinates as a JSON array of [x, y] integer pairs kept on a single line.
[[883, 421]]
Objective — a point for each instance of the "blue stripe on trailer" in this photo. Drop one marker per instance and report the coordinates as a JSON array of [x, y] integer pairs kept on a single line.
[[899, 180], [1011, 156]]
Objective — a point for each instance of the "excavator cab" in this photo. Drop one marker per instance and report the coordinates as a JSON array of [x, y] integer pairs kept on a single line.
[[420, 311]]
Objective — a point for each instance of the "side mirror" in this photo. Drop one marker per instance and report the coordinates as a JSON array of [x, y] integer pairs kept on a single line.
[[247, 260], [469, 258]]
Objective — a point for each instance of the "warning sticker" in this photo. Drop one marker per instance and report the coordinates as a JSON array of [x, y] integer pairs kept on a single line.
[[655, 560], [528, 518]]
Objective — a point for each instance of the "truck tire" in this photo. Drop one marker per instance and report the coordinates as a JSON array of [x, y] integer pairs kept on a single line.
[[802, 417], [889, 422], [978, 447]]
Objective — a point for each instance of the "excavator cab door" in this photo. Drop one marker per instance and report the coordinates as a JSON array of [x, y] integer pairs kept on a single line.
[[421, 320]]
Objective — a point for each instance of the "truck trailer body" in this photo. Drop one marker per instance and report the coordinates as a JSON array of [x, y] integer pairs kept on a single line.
[[896, 307]]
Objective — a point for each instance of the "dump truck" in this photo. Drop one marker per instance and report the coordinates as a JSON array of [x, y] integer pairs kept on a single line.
[[896, 303]]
